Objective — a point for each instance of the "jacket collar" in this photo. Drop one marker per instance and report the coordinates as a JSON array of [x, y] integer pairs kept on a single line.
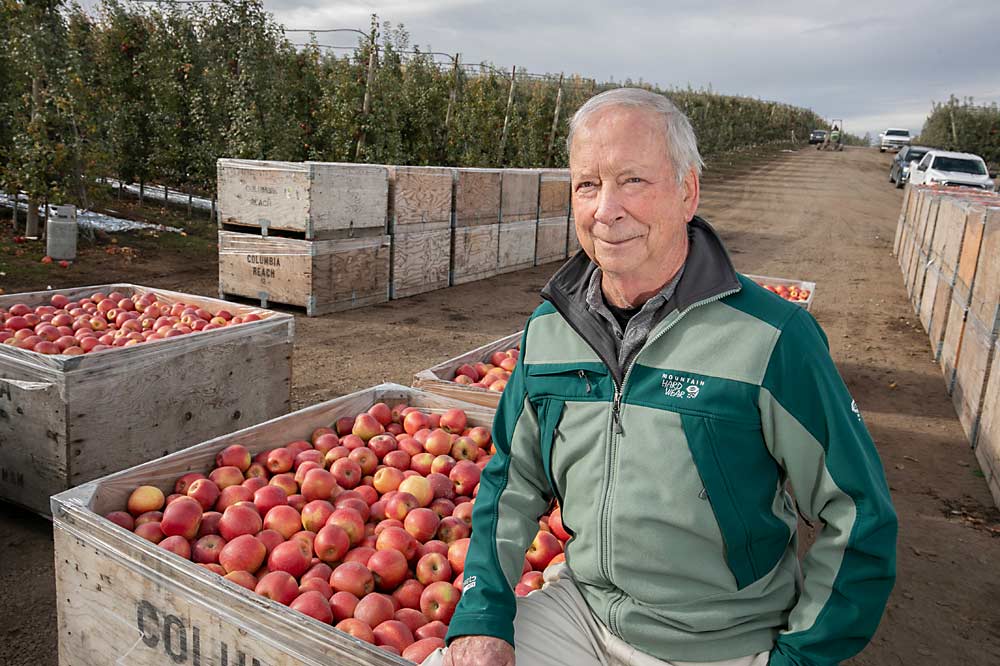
[[708, 272]]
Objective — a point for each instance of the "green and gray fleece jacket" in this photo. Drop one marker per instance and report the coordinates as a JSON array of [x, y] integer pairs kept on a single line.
[[671, 475]]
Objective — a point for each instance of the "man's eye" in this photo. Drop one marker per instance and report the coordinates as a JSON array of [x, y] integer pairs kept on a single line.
[[587, 184], [633, 179]]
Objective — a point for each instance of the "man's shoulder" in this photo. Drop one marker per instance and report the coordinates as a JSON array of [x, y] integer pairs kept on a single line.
[[759, 303]]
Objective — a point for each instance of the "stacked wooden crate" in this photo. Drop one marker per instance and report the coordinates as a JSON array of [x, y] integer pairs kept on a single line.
[[518, 219], [308, 234], [420, 227], [553, 216], [948, 246], [476, 233]]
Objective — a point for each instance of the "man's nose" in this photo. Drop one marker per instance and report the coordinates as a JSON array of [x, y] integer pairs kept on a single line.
[[609, 207]]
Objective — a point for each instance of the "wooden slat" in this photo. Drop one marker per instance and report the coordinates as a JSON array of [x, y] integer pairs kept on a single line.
[[121, 599], [972, 373], [901, 222], [474, 253], [940, 315], [519, 195], [33, 442], [517, 246], [551, 242], [950, 234], [419, 195], [348, 198], [350, 274], [933, 279], [975, 225], [477, 197], [986, 289], [951, 345], [420, 262], [988, 443], [438, 378]]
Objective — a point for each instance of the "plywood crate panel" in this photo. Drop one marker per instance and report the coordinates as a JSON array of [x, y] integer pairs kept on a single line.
[[934, 279], [65, 420], [321, 276], [314, 199], [519, 195], [421, 261], [121, 599], [551, 240], [517, 246], [988, 442], [553, 193], [951, 344], [986, 289], [474, 253], [947, 246], [924, 254], [940, 313], [439, 378], [572, 240], [477, 196], [972, 242], [972, 373], [419, 195], [900, 224]]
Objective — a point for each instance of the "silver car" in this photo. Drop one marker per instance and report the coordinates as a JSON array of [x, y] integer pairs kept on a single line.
[[904, 160]]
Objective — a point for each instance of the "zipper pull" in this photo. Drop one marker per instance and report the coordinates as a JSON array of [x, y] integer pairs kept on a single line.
[[616, 419], [583, 376]]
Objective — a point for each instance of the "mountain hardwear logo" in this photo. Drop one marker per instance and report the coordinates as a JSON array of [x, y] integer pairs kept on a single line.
[[681, 386]]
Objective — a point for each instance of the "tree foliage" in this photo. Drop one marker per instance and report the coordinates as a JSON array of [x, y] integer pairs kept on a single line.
[[158, 92], [964, 126]]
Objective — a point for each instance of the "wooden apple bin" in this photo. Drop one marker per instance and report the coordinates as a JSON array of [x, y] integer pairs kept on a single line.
[[121, 599], [439, 378], [65, 420]]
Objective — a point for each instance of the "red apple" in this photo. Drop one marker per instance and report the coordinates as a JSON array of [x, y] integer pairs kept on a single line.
[[400, 503], [313, 604], [433, 629], [464, 513], [544, 547], [361, 554], [393, 633], [244, 553], [433, 567], [374, 609], [352, 577], [356, 628], [351, 522], [240, 518], [243, 579], [365, 458], [145, 498], [331, 543], [182, 518], [556, 525], [122, 519], [226, 476], [177, 545], [315, 514], [280, 460], [366, 427], [269, 497], [235, 455], [439, 600], [452, 529], [283, 519], [421, 524], [343, 604], [454, 420], [205, 492], [419, 650], [346, 472], [278, 586], [465, 475], [290, 556], [318, 484], [407, 595], [231, 495], [397, 538], [183, 483], [206, 549]]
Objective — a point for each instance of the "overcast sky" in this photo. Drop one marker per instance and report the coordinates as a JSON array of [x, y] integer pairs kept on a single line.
[[874, 64]]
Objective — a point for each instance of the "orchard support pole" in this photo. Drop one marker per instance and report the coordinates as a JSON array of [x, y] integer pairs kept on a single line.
[[366, 104], [555, 123], [506, 116]]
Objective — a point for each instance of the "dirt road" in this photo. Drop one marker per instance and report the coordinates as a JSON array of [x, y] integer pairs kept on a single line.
[[826, 217]]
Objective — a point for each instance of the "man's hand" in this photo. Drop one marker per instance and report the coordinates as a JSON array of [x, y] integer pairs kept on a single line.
[[479, 651]]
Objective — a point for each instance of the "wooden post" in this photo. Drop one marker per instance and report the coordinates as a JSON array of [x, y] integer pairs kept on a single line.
[[31, 225], [142, 190], [452, 92], [506, 116], [14, 214], [366, 104], [555, 124], [166, 195]]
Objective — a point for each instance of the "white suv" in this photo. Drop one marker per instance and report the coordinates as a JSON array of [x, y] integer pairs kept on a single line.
[[940, 167], [893, 139]]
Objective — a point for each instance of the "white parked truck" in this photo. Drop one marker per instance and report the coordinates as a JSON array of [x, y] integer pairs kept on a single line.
[[893, 138]]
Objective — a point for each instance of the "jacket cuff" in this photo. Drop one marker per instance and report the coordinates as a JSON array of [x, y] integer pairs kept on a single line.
[[495, 625]]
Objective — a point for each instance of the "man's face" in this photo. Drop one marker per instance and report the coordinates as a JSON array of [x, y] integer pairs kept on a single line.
[[631, 214]]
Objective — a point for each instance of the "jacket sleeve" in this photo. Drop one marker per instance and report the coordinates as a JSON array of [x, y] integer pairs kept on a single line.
[[513, 493], [814, 430]]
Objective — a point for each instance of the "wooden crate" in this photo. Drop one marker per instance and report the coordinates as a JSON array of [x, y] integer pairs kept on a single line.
[[924, 254], [65, 420], [972, 372], [519, 195], [988, 442], [940, 313], [321, 276], [474, 252], [420, 200], [947, 246], [933, 280], [800, 284], [901, 222], [477, 197], [985, 303], [438, 378], [516, 246], [910, 243], [121, 599], [550, 243], [312, 200], [553, 193]]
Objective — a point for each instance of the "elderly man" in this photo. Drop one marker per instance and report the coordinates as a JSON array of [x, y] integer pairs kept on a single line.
[[665, 400]]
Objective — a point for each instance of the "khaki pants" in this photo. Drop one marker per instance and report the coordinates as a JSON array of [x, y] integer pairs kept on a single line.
[[554, 625]]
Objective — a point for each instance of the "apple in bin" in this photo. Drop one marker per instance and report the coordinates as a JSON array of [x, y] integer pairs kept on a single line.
[[439, 600]]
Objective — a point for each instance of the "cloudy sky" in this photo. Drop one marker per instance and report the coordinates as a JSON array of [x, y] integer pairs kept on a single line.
[[874, 64]]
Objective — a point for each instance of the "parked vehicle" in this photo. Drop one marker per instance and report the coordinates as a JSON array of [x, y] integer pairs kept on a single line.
[[904, 160], [893, 138], [941, 167], [817, 136]]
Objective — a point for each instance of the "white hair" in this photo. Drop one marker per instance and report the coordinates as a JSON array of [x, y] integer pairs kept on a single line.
[[682, 146]]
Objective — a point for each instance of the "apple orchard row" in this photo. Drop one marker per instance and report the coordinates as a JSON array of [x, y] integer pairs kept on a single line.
[[365, 526]]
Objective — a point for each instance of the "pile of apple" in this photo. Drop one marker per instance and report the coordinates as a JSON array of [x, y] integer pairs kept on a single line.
[[491, 376], [102, 321], [365, 526], [793, 293]]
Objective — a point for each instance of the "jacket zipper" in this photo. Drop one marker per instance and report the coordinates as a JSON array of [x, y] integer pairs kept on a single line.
[[616, 430]]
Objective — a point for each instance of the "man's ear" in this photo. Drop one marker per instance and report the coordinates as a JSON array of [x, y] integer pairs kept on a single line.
[[692, 193]]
